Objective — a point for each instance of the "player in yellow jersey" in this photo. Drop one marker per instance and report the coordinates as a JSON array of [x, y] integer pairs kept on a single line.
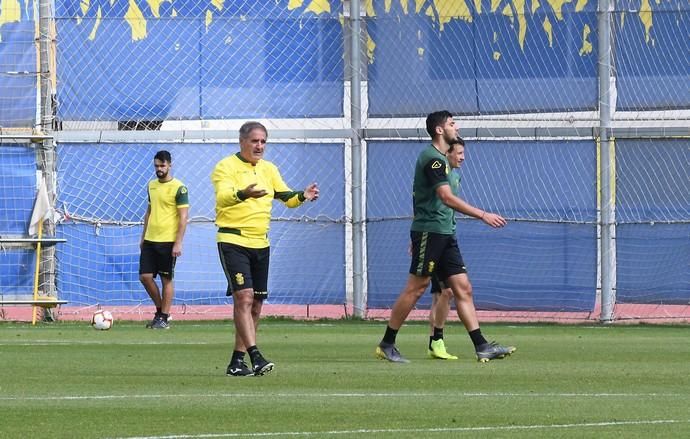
[[165, 222], [246, 185]]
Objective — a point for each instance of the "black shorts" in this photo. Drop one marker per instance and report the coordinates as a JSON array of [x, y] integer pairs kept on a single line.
[[437, 286], [245, 268], [435, 254], [157, 258]]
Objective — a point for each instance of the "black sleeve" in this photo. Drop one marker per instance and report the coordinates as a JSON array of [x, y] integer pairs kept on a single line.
[[285, 196], [435, 171]]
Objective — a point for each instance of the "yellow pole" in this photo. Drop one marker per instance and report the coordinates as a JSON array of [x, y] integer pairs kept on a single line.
[[38, 265]]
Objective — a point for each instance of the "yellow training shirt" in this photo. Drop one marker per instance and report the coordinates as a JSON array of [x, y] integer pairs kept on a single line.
[[164, 200], [246, 222]]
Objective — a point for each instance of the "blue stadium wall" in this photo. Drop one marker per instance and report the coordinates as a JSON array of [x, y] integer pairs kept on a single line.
[[18, 183], [100, 264], [548, 263], [18, 78], [183, 67], [653, 233], [105, 73]]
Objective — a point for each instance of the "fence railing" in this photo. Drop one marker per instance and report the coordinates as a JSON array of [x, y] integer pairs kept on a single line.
[[563, 106]]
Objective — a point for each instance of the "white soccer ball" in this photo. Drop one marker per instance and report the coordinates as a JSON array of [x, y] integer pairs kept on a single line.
[[102, 320]]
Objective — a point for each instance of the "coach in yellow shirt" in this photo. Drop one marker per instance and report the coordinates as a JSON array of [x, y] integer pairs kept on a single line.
[[165, 222], [245, 186]]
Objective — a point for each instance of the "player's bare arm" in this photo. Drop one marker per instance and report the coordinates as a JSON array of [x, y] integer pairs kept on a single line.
[[146, 223], [458, 204], [183, 213]]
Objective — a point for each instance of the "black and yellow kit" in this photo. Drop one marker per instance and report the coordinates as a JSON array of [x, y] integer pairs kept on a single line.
[[164, 200], [245, 222]]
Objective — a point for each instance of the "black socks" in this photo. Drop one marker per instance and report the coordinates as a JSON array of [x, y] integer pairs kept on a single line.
[[389, 336], [477, 337]]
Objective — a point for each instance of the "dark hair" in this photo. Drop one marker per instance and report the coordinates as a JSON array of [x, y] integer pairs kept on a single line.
[[163, 156], [435, 119], [250, 126], [460, 142]]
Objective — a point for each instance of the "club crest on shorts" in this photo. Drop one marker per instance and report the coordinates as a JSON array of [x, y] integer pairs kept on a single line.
[[432, 265], [239, 278]]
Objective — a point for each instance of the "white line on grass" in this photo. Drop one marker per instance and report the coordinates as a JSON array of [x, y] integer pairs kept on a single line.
[[418, 430], [101, 342], [555, 326], [346, 395]]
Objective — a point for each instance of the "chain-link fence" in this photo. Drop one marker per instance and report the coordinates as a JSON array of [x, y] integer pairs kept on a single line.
[[18, 69], [525, 80]]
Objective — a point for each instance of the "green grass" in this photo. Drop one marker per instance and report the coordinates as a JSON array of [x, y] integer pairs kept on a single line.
[[66, 380]]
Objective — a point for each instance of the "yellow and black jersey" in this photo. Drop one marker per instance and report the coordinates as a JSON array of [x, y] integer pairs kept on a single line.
[[164, 200], [241, 221]]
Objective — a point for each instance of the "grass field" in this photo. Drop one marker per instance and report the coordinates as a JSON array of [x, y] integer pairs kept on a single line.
[[67, 380]]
